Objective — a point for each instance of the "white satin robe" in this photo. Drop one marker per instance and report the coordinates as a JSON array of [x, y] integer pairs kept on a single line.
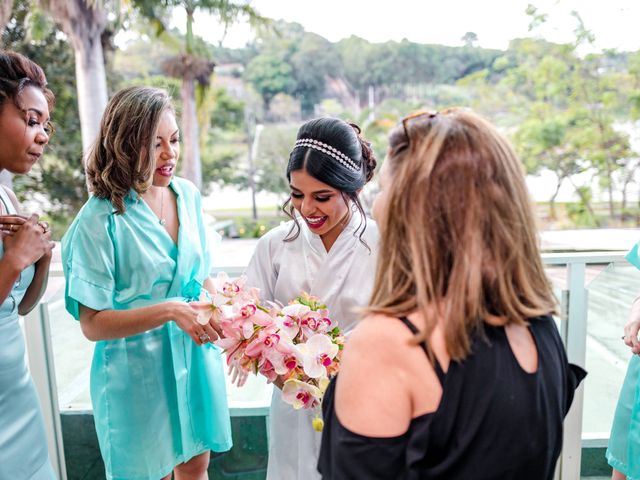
[[343, 279]]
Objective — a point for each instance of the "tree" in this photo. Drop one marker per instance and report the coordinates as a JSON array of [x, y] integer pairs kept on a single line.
[[5, 13], [270, 75], [193, 66], [85, 23], [272, 159], [314, 60], [470, 39]]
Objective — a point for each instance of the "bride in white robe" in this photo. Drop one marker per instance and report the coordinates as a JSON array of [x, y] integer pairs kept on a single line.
[[343, 279], [332, 258]]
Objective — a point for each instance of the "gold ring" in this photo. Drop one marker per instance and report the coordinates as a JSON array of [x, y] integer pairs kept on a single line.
[[44, 225], [11, 228]]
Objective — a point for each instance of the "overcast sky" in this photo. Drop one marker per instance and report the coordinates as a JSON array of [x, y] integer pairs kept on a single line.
[[616, 23]]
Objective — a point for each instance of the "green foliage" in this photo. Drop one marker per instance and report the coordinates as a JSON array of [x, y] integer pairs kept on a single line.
[[566, 112], [269, 74], [250, 228], [227, 112], [314, 61], [273, 156], [222, 164]]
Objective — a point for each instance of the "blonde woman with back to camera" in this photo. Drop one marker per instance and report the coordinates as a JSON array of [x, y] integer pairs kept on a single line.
[[458, 371]]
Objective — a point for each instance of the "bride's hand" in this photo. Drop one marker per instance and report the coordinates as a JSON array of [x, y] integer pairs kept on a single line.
[[237, 374]]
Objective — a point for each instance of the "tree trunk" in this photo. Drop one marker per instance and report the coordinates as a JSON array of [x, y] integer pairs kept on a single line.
[[585, 201], [5, 13], [92, 89], [191, 168], [612, 212], [552, 201], [84, 24]]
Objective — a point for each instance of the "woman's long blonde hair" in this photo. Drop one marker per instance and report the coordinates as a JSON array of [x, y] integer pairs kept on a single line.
[[122, 158], [458, 234]]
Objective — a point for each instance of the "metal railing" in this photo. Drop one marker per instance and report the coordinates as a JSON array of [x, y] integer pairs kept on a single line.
[[572, 324]]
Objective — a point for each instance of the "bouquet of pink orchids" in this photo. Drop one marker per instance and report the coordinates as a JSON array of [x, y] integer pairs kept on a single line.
[[298, 343]]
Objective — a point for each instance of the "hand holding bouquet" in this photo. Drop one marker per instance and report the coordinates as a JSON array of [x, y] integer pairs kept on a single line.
[[298, 343]]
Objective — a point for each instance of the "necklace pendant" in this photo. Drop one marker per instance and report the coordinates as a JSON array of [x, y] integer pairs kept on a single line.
[[162, 221]]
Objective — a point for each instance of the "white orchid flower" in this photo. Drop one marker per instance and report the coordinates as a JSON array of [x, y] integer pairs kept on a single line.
[[317, 354]]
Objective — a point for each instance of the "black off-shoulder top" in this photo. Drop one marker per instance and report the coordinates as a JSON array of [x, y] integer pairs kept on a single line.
[[494, 422]]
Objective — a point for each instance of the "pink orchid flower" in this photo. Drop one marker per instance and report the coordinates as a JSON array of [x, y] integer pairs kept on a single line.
[[300, 394], [266, 339], [265, 367], [226, 287], [315, 322], [282, 356], [248, 316], [290, 318]]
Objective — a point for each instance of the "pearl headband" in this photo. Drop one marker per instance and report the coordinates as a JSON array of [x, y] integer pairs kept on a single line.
[[329, 150]]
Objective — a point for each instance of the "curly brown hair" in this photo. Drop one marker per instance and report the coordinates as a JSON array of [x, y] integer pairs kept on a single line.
[[17, 72], [122, 159]]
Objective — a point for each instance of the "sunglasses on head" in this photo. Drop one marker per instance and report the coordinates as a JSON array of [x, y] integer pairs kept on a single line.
[[427, 115], [424, 114]]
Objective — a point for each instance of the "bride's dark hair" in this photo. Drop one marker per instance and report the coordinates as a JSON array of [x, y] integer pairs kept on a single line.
[[344, 138]]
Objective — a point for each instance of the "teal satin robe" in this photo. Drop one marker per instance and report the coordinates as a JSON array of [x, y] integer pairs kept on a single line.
[[158, 398]]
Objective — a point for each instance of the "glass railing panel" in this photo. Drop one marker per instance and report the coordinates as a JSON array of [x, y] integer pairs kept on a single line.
[[72, 355], [611, 290]]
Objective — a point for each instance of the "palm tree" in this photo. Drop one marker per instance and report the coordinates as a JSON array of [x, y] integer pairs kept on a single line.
[[192, 67], [5, 13], [84, 22]]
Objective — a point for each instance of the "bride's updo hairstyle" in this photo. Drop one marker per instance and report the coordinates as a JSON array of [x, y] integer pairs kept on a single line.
[[333, 152]]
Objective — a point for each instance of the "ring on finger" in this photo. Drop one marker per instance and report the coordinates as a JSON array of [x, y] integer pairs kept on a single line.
[[12, 228], [204, 337]]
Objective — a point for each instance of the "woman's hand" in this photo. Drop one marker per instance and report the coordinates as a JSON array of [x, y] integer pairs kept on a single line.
[[186, 317], [26, 240], [632, 327], [237, 374]]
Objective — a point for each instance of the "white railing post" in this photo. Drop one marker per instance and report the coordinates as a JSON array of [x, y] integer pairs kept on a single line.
[[40, 354], [576, 329]]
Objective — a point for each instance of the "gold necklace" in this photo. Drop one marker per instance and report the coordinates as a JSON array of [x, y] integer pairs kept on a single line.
[[163, 220]]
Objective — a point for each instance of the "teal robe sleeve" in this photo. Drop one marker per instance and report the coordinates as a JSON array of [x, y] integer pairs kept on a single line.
[[633, 257], [88, 259]]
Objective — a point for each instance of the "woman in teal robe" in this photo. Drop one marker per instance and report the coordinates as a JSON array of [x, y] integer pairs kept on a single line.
[[157, 383], [25, 255]]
